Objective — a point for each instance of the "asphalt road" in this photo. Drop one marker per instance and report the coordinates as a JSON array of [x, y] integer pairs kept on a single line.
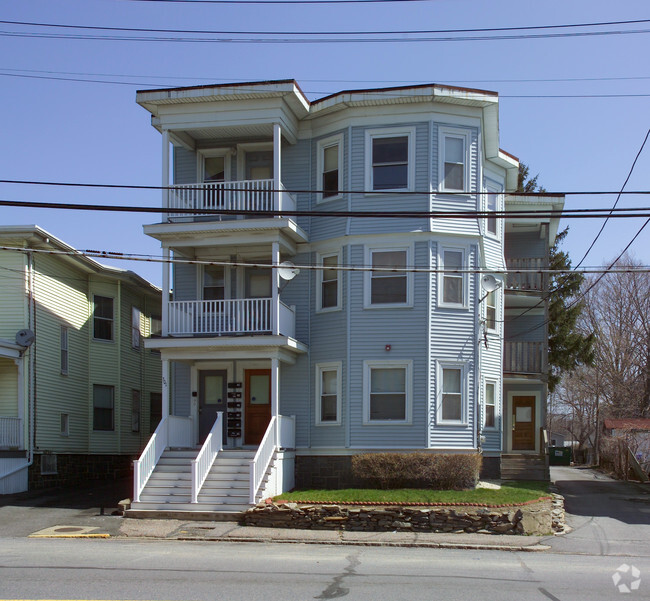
[[126, 569], [608, 517]]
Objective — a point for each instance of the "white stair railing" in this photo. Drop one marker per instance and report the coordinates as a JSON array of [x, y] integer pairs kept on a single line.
[[260, 463], [203, 463], [143, 467]]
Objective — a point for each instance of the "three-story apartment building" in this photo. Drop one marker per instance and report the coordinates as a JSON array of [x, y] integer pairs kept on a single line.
[[306, 323]]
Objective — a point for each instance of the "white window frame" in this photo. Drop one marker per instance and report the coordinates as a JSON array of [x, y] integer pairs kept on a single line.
[[207, 153], [368, 277], [136, 328], [65, 351], [112, 389], [495, 296], [464, 391], [442, 275], [390, 132], [464, 135], [226, 278], [336, 140], [320, 368], [495, 405], [407, 365], [497, 197], [319, 283]]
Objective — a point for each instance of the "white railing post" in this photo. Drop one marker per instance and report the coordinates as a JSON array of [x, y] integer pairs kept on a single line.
[[205, 459], [260, 463], [165, 172], [275, 290]]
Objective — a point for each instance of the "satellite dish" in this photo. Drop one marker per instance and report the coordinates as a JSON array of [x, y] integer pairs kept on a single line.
[[489, 283], [25, 337], [287, 270]]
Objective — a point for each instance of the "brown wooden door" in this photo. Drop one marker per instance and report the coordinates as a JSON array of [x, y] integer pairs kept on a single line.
[[523, 423], [257, 406]]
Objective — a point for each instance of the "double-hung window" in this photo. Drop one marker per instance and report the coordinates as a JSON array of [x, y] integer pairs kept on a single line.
[[490, 405], [102, 318], [136, 328], [64, 350], [452, 407], [491, 310], [390, 163], [452, 277], [329, 285], [454, 159], [388, 283], [330, 160], [328, 394], [103, 407], [491, 221], [214, 282], [387, 392]]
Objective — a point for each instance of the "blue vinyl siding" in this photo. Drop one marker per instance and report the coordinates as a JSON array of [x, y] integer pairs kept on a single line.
[[184, 277], [525, 245], [528, 327], [184, 166], [181, 389]]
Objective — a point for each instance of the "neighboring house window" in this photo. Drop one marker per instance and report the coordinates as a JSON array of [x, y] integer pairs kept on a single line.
[[155, 410], [65, 425], [490, 417], [329, 286], [391, 283], [103, 398], [452, 409], [135, 410], [453, 281], [387, 392], [328, 394], [214, 282], [491, 310], [64, 350], [156, 325], [491, 222], [136, 332], [330, 159], [103, 318], [454, 160], [390, 159]]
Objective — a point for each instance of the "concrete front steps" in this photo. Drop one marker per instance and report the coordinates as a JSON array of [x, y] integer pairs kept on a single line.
[[521, 466], [225, 492]]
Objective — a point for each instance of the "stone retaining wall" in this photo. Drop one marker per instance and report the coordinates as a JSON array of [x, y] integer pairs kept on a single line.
[[534, 518]]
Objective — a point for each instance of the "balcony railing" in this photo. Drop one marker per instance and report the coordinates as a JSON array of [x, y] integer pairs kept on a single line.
[[10, 432], [228, 317], [529, 278], [523, 357], [245, 195]]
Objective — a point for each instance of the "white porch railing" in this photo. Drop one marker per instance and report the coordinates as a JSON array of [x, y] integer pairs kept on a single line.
[[10, 432], [172, 431], [208, 453], [260, 463], [228, 317], [244, 195]]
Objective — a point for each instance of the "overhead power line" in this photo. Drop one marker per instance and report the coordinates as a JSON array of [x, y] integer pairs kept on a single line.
[[623, 213], [296, 2], [293, 32], [198, 187]]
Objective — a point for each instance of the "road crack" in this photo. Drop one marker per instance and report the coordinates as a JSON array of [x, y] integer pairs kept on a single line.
[[336, 588]]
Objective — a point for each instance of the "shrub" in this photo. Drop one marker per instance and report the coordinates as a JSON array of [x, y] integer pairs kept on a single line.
[[417, 470]]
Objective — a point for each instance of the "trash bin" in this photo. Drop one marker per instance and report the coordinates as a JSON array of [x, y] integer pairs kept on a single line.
[[559, 455]]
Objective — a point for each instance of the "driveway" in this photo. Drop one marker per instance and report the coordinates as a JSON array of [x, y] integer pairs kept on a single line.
[[608, 517]]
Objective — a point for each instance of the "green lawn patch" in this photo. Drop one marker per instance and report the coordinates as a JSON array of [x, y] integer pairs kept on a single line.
[[511, 493]]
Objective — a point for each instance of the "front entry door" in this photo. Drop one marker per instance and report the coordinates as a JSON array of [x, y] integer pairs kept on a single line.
[[212, 398], [523, 423], [257, 405]]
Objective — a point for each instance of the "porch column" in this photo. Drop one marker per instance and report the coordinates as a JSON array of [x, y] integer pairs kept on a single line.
[[275, 287], [165, 388], [277, 144], [20, 364], [165, 291], [275, 397], [165, 171]]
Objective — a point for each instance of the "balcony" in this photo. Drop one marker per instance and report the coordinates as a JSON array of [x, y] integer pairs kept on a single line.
[[257, 196], [10, 430], [529, 279], [245, 316], [524, 357]]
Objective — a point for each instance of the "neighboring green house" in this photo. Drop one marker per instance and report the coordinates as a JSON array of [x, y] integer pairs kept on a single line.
[[79, 394]]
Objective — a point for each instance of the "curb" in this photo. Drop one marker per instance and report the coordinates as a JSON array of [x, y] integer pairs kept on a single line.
[[478, 547]]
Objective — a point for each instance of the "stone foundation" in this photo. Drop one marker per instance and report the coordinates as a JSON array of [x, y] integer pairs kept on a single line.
[[534, 518], [78, 469]]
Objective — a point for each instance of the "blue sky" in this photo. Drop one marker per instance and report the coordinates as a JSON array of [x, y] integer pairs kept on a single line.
[[71, 131]]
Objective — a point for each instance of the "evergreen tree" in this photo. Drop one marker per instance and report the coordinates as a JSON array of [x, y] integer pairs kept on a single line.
[[568, 347]]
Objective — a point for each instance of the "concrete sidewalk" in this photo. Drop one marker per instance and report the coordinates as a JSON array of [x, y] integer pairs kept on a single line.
[[233, 532]]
